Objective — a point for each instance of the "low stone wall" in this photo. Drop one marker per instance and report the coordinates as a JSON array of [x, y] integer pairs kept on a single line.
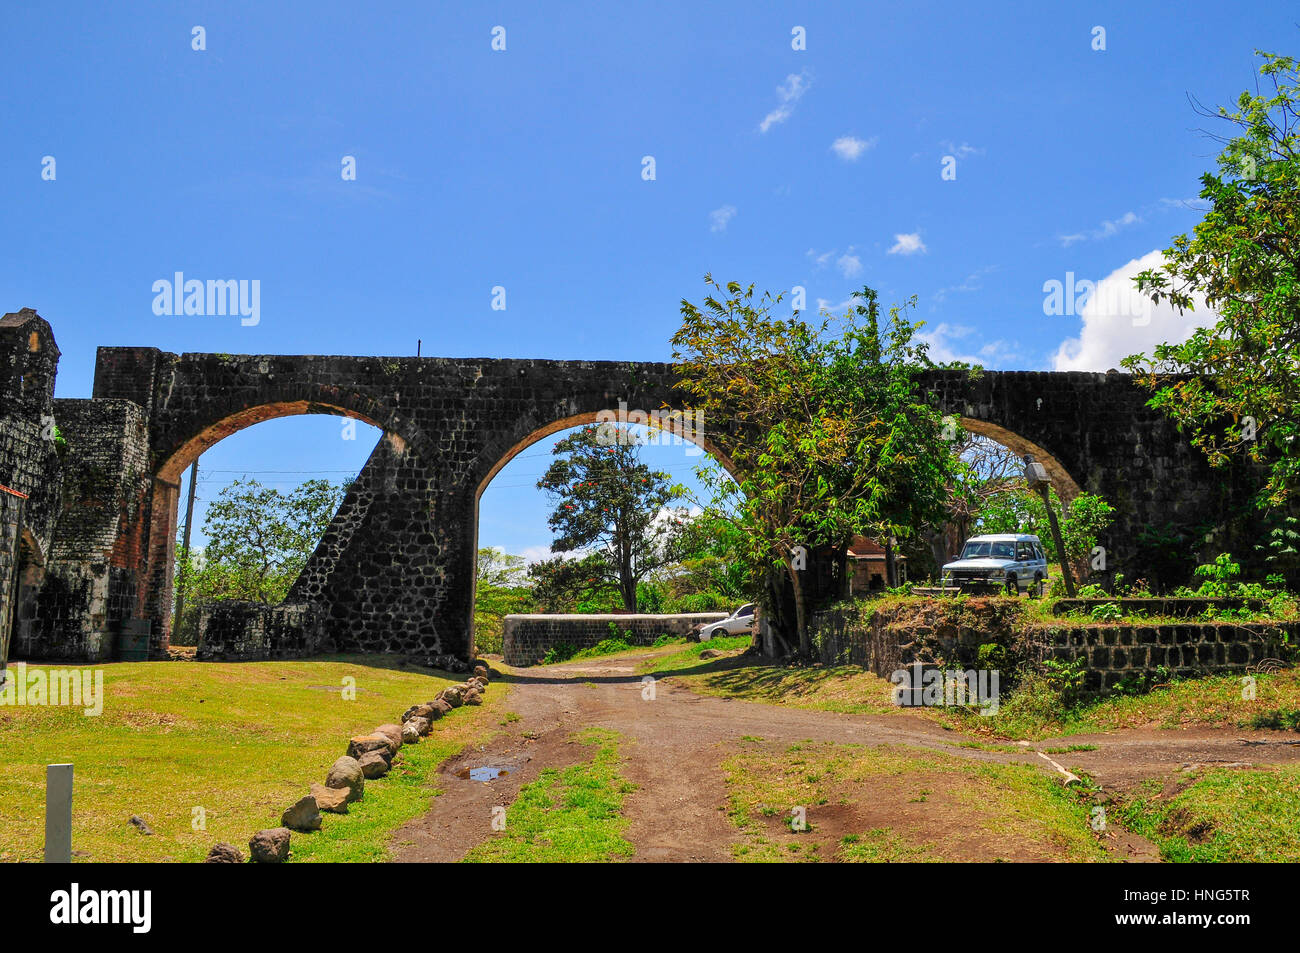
[[947, 633], [528, 637], [1116, 652], [252, 632]]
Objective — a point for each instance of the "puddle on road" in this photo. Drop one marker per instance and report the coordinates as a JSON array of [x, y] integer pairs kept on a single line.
[[481, 774]]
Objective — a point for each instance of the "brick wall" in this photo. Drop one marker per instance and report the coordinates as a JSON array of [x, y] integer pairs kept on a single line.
[[528, 637]]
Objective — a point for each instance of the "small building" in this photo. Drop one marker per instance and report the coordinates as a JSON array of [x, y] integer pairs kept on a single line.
[[866, 559]]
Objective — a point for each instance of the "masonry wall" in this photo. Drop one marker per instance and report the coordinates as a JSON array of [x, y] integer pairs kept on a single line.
[[528, 638], [11, 509], [1114, 653], [29, 464], [91, 584], [947, 634], [252, 632]]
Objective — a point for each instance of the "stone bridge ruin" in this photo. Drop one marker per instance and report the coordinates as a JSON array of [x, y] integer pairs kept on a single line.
[[88, 523]]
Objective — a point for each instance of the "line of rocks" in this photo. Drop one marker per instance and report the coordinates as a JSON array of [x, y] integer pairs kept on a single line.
[[369, 757]]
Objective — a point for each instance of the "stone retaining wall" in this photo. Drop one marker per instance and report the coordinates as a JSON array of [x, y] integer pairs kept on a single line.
[[1116, 652], [252, 632], [946, 633], [528, 637]]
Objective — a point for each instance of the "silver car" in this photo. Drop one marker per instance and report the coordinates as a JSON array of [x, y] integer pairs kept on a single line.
[[1011, 561], [740, 621]]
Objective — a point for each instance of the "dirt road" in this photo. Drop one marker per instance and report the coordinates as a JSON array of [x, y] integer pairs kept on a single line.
[[678, 741]]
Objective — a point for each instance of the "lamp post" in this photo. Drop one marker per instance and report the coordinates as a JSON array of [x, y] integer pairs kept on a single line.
[[1036, 477]]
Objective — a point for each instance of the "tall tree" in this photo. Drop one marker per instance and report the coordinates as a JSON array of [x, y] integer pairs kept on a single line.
[[608, 501], [827, 427], [1243, 397], [259, 539]]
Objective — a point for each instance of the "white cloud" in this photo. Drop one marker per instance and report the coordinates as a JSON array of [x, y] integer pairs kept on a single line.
[[950, 342], [821, 259], [960, 151], [973, 282], [719, 218], [850, 148], [787, 94], [1119, 321], [908, 244], [849, 263], [1105, 230]]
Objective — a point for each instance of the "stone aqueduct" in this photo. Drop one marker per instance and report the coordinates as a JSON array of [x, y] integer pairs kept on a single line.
[[90, 522]]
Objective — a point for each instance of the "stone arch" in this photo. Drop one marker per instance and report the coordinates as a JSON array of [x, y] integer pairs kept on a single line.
[[199, 435], [517, 446], [514, 445], [1067, 488], [29, 548], [205, 433]]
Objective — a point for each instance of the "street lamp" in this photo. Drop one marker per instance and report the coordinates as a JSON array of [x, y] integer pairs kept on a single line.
[[1037, 479]]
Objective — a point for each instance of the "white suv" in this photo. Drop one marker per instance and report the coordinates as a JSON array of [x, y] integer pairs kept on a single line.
[[1014, 561]]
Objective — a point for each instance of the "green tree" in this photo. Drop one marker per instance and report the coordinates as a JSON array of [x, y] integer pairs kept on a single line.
[[827, 428], [501, 588], [1243, 259], [607, 501], [259, 539]]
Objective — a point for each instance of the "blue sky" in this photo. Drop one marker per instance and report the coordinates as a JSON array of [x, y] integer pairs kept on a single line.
[[523, 168]]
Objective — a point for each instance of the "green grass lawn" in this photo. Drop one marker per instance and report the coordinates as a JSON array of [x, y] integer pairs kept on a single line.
[[1222, 815], [688, 653], [230, 744], [571, 815]]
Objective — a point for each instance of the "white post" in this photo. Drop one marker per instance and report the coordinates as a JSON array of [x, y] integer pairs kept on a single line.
[[58, 814]]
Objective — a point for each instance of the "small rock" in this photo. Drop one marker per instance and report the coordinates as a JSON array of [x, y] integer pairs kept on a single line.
[[222, 853], [333, 800], [138, 822], [422, 725], [440, 707], [364, 744], [393, 733], [270, 846], [481, 671], [346, 773], [374, 764], [453, 695], [418, 711], [411, 733], [303, 816], [473, 697], [710, 653]]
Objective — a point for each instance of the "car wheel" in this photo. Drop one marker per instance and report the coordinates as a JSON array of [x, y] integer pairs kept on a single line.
[[1013, 587], [1038, 585]]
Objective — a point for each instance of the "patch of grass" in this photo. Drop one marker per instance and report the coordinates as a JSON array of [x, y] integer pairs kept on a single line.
[[949, 808], [689, 657], [1284, 719], [1224, 815], [1069, 749], [241, 741], [611, 646], [567, 815], [883, 846]]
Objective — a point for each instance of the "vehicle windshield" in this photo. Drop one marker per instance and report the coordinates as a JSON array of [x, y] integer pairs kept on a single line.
[[980, 550]]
